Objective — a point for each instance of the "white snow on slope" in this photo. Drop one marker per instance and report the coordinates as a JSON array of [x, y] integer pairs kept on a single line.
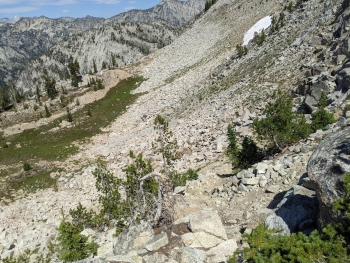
[[258, 27]]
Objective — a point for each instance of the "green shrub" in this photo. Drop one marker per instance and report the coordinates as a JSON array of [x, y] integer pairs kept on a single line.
[[69, 116], [241, 50], [209, 4], [50, 86], [25, 258], [232, 149], [25, 106], [249, 154], [321, 118], [97, 84], [331, 244], [259, 39], [26, 167], [73, 245], [88, 113], [276, 24], [281, 126], [245, 156], [35, 107], [269, 247], [343, 205], [181, 179]]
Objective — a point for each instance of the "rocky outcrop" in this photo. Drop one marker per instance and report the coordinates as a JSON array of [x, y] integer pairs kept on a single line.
[[326, 168], [173, 13]]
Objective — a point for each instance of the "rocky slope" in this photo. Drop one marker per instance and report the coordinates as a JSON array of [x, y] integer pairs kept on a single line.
[[201, 85], [125, 43]]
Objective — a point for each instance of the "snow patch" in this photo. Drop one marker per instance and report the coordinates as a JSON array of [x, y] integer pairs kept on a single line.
[[258, 27]]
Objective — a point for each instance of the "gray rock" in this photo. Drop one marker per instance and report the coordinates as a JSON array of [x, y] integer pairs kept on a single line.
[[273, 189], [258, 217], [222, 252], [261, 168], [157, 258], [341, 122], [326, 168], [343, 78], [157, 242], [291, 211], [297, 42], [250, 181], [209, 221], [347, 114], [200, 240], [276, 222], [243, 188], [106, 249], [299, 190], [307, 183], [134, 238], [179, 189], [190, 255]]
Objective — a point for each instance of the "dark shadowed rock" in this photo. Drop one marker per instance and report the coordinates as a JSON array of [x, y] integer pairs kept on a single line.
[[326, 168], [295, 208]]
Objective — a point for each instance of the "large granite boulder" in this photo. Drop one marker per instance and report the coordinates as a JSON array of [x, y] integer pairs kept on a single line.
[[298, 206], [326, 167]]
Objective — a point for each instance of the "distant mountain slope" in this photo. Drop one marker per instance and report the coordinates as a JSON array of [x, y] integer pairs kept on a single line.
[[31, 37], [126, 43], [173, 13]]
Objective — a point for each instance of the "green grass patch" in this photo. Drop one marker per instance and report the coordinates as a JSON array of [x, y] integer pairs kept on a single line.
[[40, 144], [28, 185]]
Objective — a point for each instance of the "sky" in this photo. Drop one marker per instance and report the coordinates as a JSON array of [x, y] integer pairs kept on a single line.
[[71, 8]]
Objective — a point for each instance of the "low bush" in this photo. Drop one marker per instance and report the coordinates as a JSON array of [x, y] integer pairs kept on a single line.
[[47, 112], [321, 118], [181, 179], [69, 116], [73, 245], [241, 50], [269, 247], [281, 126], [26, 167], [243, 157], [209, 4]]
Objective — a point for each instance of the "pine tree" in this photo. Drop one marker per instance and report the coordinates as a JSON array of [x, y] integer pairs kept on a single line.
[[47, 113], [4, 97], [321, 118], [69, 116], [104, 66], [50, 86], [94, 66]]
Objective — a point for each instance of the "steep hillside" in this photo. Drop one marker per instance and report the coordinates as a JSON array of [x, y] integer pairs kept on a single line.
[[120, 44], [201, 83], [173, 13]]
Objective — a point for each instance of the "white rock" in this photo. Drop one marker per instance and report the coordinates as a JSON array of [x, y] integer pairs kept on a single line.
[[209, 221], [200, 239], [157, 242], [106, 249], [222, 252]]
